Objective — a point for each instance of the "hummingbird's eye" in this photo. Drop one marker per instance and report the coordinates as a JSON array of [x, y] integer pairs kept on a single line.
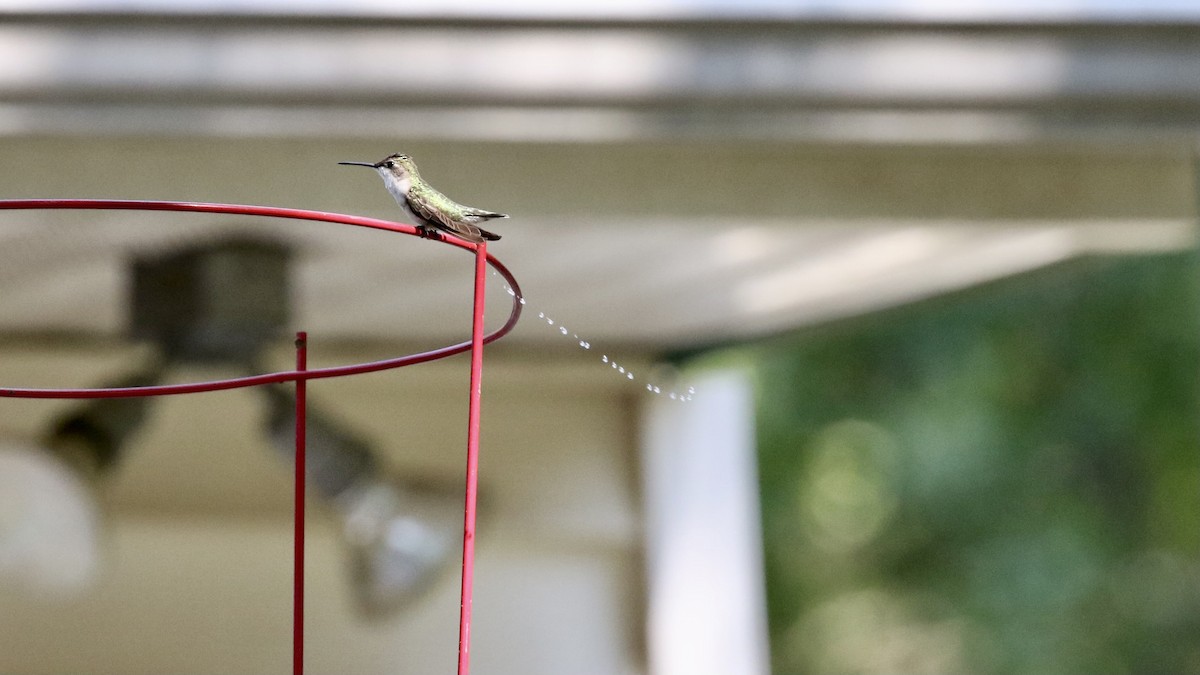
[[390, 164]]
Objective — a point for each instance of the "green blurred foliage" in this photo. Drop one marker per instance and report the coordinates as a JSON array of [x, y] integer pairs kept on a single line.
[[1001, 481]]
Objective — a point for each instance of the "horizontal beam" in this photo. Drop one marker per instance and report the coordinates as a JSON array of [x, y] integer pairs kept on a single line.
[[641, 78]]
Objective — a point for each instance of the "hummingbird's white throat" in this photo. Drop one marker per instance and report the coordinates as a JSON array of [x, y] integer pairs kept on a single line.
[[399, 187]]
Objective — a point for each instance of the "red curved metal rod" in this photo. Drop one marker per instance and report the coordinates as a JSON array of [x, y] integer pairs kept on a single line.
[[266, 378]]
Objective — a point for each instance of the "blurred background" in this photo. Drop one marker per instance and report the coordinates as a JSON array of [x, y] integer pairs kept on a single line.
[[905, 294]]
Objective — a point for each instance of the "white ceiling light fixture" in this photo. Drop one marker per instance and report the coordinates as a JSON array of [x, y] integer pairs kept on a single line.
[[218, 302], [226, 301]]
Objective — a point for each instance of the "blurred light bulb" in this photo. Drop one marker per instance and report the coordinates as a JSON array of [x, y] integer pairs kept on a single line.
[[400, 537], [49, 522]]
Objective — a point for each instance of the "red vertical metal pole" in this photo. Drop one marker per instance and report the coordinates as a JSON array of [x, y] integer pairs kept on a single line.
[[468, 564], [298, 535]]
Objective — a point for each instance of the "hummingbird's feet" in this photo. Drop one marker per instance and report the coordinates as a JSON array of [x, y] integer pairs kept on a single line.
[[427, 232]]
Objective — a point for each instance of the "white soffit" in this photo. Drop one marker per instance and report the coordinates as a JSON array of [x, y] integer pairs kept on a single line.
[[660, 283]]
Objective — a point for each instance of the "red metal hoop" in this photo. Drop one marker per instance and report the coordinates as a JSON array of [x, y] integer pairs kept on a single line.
[[301, 375], [266, 378]]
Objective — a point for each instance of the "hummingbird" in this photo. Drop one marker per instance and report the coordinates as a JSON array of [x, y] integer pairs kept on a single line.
[[428, 208]]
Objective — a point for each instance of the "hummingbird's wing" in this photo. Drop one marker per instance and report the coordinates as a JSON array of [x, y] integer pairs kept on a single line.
[[442, 212]]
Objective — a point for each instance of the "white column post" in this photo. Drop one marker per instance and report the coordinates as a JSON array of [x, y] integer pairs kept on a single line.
[[707, 610]]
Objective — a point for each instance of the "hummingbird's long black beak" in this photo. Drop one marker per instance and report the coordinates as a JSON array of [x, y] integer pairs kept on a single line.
[[370, 164]]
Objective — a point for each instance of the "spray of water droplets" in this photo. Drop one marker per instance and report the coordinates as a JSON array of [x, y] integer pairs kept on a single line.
[[586, 345]]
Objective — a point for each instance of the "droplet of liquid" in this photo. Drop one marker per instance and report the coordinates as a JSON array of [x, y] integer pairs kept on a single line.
[[585, 344]]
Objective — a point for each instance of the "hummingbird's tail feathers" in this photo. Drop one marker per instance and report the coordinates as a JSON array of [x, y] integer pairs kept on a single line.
[[490, 236], [482, 215]]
